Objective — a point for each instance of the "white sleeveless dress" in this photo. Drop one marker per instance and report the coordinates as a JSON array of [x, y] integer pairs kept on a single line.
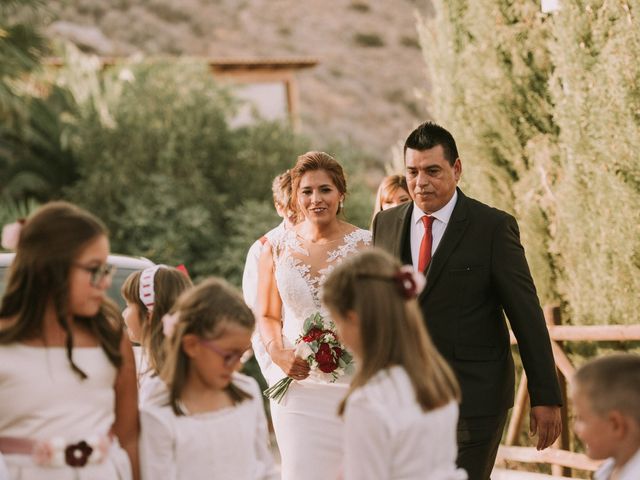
[[308, 430], [42, 399]]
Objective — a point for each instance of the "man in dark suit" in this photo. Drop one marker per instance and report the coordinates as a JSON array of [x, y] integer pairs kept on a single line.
[[476, 272]]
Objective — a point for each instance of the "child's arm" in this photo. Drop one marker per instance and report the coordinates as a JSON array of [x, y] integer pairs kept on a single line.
[[367, 448], [157, 455], [126, 426]]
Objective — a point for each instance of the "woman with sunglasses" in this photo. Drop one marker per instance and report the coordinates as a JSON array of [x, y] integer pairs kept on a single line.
[[214, 425], [68, 405]]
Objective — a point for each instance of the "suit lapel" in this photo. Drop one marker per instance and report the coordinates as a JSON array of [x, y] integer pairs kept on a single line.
[[452, 236], [402, 225]]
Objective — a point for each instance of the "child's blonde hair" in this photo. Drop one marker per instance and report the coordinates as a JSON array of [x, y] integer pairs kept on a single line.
[[392, 330], [612, 383], [387, 189], [206, 311], [168, 284]]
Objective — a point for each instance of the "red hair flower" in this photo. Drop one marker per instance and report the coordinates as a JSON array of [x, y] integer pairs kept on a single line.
[[410, 283]]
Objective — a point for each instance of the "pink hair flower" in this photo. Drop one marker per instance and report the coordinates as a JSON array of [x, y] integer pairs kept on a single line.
[[169, 322], [11, 235]]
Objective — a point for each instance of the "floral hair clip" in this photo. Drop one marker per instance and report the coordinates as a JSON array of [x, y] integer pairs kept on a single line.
[[11, 234], [169, 322], [411, 283]]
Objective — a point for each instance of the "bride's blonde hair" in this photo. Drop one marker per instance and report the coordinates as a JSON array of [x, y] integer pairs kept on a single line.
[[392, 330]]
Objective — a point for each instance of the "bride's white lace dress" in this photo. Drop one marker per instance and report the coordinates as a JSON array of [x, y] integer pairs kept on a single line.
[[307, 427]]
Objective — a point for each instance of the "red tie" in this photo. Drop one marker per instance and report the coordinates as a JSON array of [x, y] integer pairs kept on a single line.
[[425, 245]]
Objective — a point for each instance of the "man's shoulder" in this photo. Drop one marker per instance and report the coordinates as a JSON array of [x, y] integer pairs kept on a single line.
[[386, 223], [393, 213]]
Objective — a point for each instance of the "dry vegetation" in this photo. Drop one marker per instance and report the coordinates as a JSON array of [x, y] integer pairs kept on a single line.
[[363, 91]]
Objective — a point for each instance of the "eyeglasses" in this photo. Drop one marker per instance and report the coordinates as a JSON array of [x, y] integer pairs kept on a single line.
[[98, 272], [229, 359]]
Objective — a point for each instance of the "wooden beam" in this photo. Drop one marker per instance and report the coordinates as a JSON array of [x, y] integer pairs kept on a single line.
[[502, 474], [562, 361], [549, 455], [293, 100], [591, 333], [518, 412], [601, 333]]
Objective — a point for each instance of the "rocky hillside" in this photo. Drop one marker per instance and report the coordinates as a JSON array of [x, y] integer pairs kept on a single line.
[[363, 91]]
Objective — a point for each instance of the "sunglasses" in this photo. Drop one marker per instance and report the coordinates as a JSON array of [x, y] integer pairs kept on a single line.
[[98, 272], [229, 359]]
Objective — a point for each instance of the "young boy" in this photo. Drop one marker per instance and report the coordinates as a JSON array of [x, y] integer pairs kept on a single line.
[[606, 399]]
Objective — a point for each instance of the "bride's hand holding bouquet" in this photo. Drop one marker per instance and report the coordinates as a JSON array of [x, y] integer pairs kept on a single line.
[[293, 366], [319, 350]]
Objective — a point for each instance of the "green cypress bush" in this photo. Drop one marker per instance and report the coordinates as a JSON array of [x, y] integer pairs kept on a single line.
[[596, 90], [489, 67]]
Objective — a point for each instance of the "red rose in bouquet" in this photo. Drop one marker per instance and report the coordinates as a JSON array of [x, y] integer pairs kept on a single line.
[[314, 334], [320, 347]]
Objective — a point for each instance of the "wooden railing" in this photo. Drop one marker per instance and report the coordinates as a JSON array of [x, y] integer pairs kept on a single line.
[[559, 456]]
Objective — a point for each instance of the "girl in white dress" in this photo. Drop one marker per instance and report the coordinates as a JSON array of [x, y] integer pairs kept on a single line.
[[214, 426], [150, 294], [401, 410], [293, 266], [68, 407]]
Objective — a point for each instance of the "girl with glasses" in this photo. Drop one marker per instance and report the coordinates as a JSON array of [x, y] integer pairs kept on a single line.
[[68, 407], [149, 295], [214, 424]]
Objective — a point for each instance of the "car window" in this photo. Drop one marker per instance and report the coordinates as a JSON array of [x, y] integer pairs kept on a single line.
[[116, 284]]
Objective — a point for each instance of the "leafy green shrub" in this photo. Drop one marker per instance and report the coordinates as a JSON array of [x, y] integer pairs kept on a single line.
[[160, 165], [597, 95], [489, 64], [148, 148]]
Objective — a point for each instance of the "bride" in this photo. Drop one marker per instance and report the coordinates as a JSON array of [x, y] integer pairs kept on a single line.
[[293, 266]]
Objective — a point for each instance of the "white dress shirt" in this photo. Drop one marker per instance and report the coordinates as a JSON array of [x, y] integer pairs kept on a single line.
[[630, 471], [388, 436], [440, 221]]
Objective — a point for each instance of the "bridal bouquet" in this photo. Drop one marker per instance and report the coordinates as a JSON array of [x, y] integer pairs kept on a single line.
[[319, 346]]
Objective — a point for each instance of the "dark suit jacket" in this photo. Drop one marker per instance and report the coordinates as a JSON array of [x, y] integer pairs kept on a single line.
[[477, 274]]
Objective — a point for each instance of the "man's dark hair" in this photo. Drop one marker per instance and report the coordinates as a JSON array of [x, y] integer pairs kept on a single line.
[[429, 135]]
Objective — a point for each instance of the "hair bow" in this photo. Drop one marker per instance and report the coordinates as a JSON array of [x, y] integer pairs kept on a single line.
[[169, 322], [11, 234]]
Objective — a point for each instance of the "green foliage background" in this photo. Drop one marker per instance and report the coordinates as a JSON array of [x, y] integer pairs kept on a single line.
[[546, 112], [148, 147]]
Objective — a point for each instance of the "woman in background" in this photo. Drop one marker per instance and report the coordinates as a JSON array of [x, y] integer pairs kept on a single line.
[[393, 191]]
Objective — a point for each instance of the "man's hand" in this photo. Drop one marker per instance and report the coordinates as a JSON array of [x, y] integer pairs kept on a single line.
[[545, 420]]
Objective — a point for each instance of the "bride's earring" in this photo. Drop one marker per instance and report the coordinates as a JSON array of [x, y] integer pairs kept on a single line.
[[341, 204]]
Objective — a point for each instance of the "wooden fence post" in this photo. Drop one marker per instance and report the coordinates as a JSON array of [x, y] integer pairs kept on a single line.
[[518, 412], [553, 317]]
